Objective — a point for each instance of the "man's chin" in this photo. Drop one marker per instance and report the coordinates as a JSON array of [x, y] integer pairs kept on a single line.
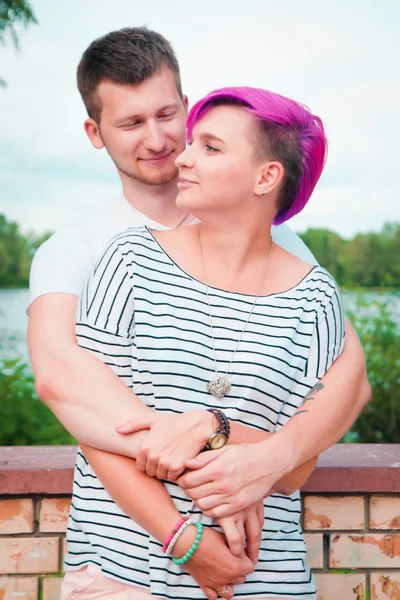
[[158, 177]]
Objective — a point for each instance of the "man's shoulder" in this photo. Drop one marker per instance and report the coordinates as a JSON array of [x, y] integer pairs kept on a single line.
[[284, 236]]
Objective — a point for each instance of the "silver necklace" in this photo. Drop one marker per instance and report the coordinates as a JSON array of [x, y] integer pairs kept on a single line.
[[222, 385]]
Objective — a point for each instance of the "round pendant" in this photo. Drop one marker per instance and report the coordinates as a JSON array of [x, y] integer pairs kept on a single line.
[[219, 388]]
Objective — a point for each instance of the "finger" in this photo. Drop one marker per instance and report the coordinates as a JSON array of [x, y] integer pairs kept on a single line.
[[196, 478], [211, 502], [234, 537], [174, 473], [226, 592], [207, 489], [161, 472], [223, 510], [210, 593], [151, 466], [136, 425], [239, 580], [253, 534], [260, 513], [204, 458]]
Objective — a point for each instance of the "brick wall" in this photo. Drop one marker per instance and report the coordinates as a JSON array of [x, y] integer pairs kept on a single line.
[[352, 532]]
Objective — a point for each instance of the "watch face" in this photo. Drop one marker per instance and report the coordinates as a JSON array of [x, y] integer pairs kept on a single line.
[[217, 441]]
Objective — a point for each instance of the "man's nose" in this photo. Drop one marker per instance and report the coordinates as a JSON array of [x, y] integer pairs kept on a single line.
[[155, 138]]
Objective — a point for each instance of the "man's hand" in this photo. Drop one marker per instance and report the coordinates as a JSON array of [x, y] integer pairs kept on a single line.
[[172, 439], [244, 527], [213, 566], [227, 481]]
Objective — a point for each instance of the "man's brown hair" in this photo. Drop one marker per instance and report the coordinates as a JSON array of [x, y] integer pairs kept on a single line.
[[128, 56]]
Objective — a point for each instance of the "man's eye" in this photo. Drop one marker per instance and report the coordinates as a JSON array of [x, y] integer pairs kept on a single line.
[[133, 124], [167, 115]]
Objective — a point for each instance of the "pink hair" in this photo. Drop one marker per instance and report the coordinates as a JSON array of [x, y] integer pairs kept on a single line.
[[284, 115]]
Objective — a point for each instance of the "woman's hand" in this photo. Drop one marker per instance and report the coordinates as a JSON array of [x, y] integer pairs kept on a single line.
[[212, 565], [227, 481], [172, 439], [244, 528]]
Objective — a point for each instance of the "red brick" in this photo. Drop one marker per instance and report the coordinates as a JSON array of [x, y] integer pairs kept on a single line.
[[29, 555], [315, 551], [16, 516], [18, 588], [333, 586], [54, 514], [384, 512], [364, 551], [385, 586], [51, 588], [333, 512]]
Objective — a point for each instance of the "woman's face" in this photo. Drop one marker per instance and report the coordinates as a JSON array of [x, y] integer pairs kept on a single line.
[[219, 171]]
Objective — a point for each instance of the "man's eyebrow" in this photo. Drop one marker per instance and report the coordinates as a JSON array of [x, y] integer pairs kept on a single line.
[[210, 136], [138, 117]]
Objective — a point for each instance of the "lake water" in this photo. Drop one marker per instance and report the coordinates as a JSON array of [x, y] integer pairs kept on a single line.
[[13, 318]]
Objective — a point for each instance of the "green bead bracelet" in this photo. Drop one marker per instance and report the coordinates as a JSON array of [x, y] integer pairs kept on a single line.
[[192, 550]]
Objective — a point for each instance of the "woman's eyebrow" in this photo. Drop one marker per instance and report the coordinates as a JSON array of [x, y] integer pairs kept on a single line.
[[210, 136]]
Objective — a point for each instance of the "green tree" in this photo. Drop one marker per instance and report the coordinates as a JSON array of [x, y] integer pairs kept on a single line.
[[380, 337], [24, 419], [12, 14]]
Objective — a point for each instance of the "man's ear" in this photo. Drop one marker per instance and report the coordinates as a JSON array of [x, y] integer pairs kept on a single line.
[[93, 132], [186, 102]]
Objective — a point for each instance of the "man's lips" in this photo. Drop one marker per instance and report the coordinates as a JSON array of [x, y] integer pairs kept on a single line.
[[157, 159]]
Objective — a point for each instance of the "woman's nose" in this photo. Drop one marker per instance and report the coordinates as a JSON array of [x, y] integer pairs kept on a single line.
[[185, 159]]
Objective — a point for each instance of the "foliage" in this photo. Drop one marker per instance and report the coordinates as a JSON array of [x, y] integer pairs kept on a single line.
[[380, 337], [12, 14], [16, 252], [24, 419], [367, 260]]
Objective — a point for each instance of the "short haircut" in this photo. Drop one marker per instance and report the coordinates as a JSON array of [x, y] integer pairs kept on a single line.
[[286, 131], [128, 56]]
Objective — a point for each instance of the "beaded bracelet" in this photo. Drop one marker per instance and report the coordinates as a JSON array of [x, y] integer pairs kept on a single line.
[[191, 551], [178, 534], [173, 532]]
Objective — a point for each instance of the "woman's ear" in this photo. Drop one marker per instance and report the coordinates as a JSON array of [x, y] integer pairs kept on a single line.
[[93, 132], [270, 178]]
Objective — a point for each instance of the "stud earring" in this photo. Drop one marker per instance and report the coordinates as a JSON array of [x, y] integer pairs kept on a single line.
[[263, 192]]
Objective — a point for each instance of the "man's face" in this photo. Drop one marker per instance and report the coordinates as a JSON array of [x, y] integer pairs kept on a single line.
[[143, 127]]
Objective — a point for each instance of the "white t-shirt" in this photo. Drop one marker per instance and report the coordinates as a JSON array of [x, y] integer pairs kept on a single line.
[[65, 262]]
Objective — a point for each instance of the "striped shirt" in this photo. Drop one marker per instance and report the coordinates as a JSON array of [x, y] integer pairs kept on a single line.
[[148, 320]]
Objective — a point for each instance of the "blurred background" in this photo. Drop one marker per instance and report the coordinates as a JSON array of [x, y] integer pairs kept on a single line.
[[339, 57]]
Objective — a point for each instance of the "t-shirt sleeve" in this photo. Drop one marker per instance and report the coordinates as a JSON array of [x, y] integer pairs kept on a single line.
[[284, 236], [105, 314], [326, 345], [62, 264]]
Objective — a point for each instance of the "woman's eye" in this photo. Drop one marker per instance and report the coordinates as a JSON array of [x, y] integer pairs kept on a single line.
[[211, 148]]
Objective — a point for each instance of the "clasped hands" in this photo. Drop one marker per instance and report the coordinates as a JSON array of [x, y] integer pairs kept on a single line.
[[227, 485]]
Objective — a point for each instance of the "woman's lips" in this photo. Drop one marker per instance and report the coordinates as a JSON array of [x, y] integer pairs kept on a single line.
[[185, 183]]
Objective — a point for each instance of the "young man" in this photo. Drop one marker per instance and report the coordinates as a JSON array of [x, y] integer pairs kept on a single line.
[[129, 81]]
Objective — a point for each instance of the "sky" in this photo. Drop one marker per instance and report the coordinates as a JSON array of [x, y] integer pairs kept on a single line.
[[339, 57]]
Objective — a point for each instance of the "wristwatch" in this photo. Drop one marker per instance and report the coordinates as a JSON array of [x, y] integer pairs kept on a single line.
[[221, 436]]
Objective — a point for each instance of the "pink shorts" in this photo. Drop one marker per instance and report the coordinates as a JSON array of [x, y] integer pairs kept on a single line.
[[90, 584]]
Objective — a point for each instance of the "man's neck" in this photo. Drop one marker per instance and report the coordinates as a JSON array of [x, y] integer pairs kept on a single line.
[[157, 202]]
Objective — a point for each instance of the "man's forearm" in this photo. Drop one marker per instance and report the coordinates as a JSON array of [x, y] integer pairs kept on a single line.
[[90, 401], [328, 411]]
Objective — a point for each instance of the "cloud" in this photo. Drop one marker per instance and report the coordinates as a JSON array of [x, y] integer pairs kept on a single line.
[[337, 57]]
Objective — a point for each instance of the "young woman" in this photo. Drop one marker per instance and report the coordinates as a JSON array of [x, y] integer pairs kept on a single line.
[[211, 316]]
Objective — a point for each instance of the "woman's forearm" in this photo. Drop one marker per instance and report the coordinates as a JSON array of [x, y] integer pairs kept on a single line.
[[144, 499]]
